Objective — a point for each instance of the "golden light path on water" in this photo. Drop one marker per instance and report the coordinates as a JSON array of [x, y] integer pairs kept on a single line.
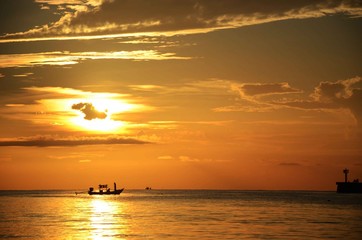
[[180, 214], [106, 219]]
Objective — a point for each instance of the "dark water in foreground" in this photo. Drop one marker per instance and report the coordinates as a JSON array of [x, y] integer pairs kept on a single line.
[[176, 214]]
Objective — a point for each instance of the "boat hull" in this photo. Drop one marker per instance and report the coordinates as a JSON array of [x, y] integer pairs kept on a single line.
[[115, 192]]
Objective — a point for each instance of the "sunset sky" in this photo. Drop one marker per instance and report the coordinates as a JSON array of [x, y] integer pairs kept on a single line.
[[191, 94]]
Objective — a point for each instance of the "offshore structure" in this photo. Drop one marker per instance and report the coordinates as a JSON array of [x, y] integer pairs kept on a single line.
[[349, 187]]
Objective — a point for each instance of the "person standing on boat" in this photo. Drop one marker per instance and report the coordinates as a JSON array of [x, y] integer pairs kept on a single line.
[[115, 187]]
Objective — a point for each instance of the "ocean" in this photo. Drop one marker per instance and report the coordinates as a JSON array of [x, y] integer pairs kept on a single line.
[[180, 214]]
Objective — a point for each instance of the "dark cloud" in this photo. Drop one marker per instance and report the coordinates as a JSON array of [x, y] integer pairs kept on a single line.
[[343, 94], [124, 16], [267, 89], [17, 17], [334, 95], [189, 14], [53, 142], [289, 164], [354, 103], [89, 111], [335, 91]]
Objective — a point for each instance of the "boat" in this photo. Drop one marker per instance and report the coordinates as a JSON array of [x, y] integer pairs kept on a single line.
[[104, 190], [349, 187]]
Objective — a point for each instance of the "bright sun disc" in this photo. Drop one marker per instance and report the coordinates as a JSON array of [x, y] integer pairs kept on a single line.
[[101, 104], [104, 125]]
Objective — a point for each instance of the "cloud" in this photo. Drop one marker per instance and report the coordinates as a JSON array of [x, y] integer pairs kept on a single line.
[[46, 141], [56, 92], [327, 96], [354, 104], [335, 91], [84, 161], [289, 164], [146, 87], [248, 96], [246, 91], [166, 157], [69, 58], [188, 159], [89, 111], [70, 2], [333, 95], [341, 93], [307, 104], [181, 17], [250, 108], [23, 74], [267, 89]]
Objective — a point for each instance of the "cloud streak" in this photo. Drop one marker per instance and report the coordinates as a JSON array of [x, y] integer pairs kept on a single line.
[[260, 89], [71, 142], [69, 58], [181, 17]]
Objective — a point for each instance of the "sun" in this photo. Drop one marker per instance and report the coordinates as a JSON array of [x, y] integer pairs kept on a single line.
[[95, 114], [104, 125], [101, 112]]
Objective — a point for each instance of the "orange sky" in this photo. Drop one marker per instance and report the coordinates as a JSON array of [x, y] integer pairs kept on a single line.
[[180, 94]]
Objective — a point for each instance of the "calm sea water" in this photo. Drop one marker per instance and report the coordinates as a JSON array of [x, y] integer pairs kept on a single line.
[[176, 214]]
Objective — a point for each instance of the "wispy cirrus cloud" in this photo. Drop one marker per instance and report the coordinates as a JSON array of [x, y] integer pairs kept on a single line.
[[179, 17], [249, 97], [70, 58], [165, 157], [263, 89]]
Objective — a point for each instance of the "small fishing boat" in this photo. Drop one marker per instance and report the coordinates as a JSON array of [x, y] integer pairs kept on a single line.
[[104, 190]]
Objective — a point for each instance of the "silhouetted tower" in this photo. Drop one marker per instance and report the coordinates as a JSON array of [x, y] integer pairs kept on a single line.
[[345, 171]]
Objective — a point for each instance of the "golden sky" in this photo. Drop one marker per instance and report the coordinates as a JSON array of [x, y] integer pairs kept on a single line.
[[196, 94]]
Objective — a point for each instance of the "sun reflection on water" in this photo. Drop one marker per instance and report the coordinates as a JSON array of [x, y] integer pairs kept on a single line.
[[106, 219]]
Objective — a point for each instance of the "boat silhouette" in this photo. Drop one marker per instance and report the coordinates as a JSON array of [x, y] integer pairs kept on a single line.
[[104, 190]]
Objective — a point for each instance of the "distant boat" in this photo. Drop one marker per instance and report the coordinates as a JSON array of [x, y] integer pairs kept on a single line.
[[104, 190], [349, 187], [148, 188]]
